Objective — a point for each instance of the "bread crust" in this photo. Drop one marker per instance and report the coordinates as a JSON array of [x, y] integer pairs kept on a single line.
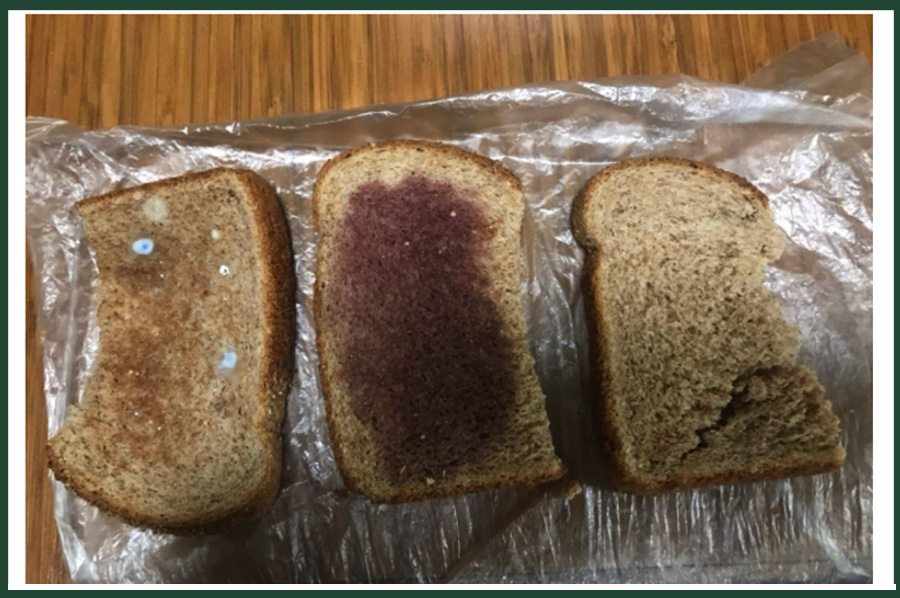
[[622, 477], [276, 365], [492, 165], [351, 481]]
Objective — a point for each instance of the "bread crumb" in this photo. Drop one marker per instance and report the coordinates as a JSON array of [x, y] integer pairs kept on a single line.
[[422, 437], [402, 469], [429, 481], [453, 214], [214, 234], [573, 489]]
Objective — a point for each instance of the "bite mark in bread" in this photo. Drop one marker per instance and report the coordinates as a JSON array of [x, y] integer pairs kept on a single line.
[[692, 360]]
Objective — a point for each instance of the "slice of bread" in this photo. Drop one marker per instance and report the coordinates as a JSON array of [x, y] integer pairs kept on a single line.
[[179, 425], [430, 388], [693, 360]]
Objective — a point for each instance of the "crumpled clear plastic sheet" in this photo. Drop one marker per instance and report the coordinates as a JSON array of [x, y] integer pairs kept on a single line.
[[801, 130]]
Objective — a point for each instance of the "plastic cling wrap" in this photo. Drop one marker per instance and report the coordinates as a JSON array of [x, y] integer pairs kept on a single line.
[[801, 130]]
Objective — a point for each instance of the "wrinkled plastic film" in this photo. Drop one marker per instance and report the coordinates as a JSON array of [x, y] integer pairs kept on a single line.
[[800, 129]]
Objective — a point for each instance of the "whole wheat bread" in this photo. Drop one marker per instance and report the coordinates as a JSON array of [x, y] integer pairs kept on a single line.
[[179, 425], [429, 385], [694, 362]]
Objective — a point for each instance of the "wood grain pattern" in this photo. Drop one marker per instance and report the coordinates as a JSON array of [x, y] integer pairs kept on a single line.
[[104, 70]]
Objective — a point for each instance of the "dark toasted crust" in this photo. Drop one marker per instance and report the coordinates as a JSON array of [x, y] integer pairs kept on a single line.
[[278, 284], [622, 477], [337, 442]]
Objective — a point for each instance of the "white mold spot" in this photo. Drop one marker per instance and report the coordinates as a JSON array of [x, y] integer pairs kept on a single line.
[[224, 270], [156, 209], [215, 234]]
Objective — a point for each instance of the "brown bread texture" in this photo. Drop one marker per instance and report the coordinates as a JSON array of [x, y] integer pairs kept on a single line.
[[179, 425], [693, 362], [430, 388]]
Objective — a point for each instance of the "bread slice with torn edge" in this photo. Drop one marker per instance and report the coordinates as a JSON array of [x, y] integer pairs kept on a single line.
[[693, 361], [430, 388], [179, 425]]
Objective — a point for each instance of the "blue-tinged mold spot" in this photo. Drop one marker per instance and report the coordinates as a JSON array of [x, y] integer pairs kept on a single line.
[[143, 246], [228, 361]]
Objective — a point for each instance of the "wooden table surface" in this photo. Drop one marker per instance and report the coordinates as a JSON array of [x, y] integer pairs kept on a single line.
[[104, 70]]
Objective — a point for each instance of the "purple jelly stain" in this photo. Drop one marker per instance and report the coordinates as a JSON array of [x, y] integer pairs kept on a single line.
[[422, 346]]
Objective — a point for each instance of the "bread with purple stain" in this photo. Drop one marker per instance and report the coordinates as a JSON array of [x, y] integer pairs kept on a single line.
[[430, 388]]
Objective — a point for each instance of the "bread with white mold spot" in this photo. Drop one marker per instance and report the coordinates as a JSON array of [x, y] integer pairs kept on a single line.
[[179, 425], [693, 361], [430, 388]]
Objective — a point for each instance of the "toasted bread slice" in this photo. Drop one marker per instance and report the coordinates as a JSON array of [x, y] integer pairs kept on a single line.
[[179, 425], [693, 360], [429, 385]]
